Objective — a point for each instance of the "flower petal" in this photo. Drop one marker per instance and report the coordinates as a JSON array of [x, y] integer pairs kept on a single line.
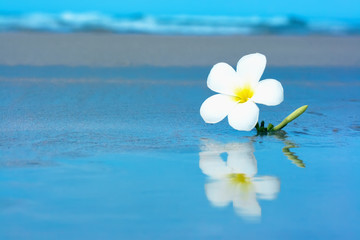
[[219, 193], [222, 79], [244, 116], [251, 67], [216, 108], [269, 92], [267, 187], [244, 201], [212, 165], [242, 159]]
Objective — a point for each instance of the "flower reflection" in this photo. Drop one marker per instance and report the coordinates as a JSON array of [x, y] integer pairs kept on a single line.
[[235, 180], [281, 135]]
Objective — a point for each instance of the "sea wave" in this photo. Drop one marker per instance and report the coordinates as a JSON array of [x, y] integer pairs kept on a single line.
[[180, 24]]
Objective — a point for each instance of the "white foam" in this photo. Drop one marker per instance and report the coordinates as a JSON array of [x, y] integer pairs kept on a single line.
[[179, 24]]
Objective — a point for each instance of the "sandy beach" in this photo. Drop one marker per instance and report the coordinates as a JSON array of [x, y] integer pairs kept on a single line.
[[111, 50], [101, 138]]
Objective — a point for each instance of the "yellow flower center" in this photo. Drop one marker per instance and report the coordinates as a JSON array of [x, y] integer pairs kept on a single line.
[[243, 94], [239, 178]]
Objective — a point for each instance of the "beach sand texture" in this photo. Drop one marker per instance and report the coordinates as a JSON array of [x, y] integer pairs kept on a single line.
[[86, 49], [101, 138]]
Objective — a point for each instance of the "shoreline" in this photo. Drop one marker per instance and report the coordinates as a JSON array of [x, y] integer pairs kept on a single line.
[[115, 50]]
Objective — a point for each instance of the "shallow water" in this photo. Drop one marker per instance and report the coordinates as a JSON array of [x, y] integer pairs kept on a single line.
[[123, 153]]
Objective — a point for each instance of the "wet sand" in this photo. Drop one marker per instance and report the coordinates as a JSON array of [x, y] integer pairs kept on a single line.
[[95, 149], [84, 49]]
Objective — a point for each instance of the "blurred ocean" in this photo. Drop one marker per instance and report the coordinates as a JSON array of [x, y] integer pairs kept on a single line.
[[173, 24]]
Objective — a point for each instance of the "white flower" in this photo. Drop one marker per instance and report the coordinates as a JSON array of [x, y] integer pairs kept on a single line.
[[239, 91], [234, 180]]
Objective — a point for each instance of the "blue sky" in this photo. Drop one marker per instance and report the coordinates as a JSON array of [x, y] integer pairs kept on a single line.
[[326, 9]]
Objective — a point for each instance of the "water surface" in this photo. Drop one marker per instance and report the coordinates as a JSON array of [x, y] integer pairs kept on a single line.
[[119, 154]]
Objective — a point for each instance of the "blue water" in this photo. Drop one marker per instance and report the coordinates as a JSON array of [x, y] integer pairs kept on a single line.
[[183, 24], [84, 154]]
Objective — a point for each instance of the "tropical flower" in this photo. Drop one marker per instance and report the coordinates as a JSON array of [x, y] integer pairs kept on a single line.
[[234, 180], [239, 91]]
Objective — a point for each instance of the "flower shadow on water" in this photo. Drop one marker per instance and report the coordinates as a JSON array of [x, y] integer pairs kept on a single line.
[[235, 180]]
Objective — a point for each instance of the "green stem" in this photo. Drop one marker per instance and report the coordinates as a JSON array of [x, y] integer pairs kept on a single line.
[[292, 156], [291, 117]]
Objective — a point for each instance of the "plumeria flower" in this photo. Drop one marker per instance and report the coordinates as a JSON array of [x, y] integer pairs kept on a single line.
[[235, 180], [239, 91]]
